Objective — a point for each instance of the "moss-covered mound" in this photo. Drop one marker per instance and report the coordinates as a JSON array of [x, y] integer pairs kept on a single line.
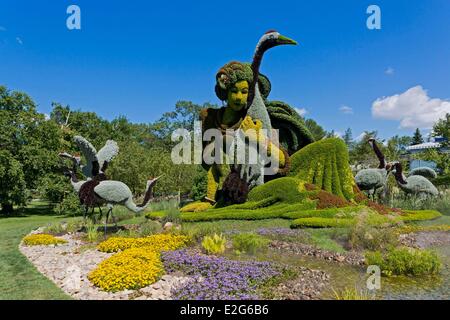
[[325, 164]]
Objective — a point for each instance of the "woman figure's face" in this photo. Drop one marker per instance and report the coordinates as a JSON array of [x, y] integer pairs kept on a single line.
[[237, 95]]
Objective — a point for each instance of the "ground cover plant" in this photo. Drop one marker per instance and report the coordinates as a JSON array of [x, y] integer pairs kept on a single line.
[[42, 240], [217, 277]]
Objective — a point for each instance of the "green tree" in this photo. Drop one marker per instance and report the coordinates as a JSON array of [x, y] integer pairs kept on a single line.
[[417, 137], [316, 130], [183, 117], [442, 129], [29, 145], [362, 152], [348, 138], [396, 147]]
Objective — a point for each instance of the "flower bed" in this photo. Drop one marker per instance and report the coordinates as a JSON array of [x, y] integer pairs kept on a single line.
[[130, 269], [157, 242], [42, 239], [137, 265], [217, 277]]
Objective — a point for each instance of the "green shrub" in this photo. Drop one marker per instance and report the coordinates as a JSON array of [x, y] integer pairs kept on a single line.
[[122, 214], [249, 243], [405, 261], [74, 225], [214, 244], [198, 232], [322, 223], [92, 232], [199, 185], [364, 235], [172, 215], [149, 227], [55, 228], [69, 205], [442, 181]]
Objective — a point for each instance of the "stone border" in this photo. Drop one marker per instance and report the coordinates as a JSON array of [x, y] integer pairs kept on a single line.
[[67, 265]]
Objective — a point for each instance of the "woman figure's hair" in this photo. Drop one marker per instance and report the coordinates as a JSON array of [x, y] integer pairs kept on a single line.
[[234, 72]]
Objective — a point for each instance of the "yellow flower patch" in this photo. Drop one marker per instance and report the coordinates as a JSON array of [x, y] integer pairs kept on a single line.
[[41, 239], [157, 242], [130, 269]]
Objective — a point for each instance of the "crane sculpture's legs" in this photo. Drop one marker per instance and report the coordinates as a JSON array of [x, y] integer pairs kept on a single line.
[[110, 207], [85, 213], [101, 214]]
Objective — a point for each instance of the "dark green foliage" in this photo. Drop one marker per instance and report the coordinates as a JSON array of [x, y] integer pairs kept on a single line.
[[12, 182], [199, 184], [29, 145], [70, 205], [293, 133], [325, 164], [405, 261], [316, 130], [417, 138], [442, 181], [442, 129]]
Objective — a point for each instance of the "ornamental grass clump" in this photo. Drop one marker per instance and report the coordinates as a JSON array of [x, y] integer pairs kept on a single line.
[[405, 261], [157, 242], [130, 269], [215, 278], [42, 240], [249, 243], [214, 244]]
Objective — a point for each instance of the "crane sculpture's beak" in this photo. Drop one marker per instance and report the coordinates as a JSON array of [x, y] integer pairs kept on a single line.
[[285, 40], [156, 179]]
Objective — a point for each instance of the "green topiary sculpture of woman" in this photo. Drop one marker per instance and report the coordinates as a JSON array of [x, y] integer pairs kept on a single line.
[[245, 92]]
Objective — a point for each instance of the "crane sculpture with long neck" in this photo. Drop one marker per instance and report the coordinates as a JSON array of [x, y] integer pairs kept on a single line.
[[416, 184], [256, 107], [372, 179]]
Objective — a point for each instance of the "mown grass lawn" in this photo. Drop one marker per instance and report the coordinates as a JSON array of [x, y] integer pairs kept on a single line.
[[19, 278]]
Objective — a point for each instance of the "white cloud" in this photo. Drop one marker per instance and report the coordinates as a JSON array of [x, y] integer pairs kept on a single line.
[[413, 108], [301, 111], [389, 71], [346, 110], [19, 41]]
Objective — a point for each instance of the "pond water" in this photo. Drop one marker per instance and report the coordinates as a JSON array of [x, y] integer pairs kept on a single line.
[[345, 276]]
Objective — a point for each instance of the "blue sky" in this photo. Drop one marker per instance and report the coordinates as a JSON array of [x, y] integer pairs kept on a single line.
[[137, 58]]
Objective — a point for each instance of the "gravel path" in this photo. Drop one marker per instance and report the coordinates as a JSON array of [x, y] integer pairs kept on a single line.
[[68, 265]]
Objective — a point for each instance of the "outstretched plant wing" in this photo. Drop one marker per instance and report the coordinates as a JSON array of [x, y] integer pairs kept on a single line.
[[89, 152], [107, 153]]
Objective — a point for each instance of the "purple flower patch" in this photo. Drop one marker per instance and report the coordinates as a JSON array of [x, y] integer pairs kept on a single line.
[[216, 277]]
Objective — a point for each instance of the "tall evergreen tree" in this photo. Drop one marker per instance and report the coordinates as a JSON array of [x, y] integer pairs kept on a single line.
[[417, 137], [348, 137]]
